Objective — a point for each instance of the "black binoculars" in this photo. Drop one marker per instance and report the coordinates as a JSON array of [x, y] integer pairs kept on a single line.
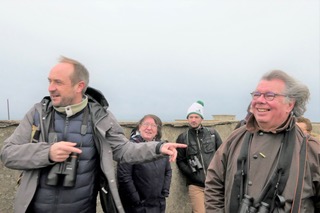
[[246, 206], [66, 170], [194, 164]]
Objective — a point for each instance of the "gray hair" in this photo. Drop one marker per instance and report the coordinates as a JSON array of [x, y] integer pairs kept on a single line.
[[80, 72], [293, 89]]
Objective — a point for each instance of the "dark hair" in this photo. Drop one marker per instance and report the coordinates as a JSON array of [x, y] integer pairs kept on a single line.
[[158, 122], [295, 90]]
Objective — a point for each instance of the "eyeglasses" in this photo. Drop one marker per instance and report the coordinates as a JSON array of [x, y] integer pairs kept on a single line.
[[269, 96], [148, 124]]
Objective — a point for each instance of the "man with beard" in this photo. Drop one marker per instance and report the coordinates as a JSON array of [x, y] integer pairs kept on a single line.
[[66, 145], [193, 162]]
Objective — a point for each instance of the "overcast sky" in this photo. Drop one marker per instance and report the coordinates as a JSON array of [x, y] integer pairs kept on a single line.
[[159, 56]]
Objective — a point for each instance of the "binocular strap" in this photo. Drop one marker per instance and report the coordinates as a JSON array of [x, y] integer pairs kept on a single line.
[[275, 184]]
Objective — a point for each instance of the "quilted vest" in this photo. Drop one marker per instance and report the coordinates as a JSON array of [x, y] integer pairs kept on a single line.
[[82, 196]]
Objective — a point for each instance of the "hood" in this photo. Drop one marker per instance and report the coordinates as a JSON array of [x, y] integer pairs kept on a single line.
[[96, 96]]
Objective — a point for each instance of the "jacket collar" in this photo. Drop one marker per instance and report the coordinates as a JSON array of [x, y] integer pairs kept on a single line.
[[198, 129], [73, 109], [252, 125]]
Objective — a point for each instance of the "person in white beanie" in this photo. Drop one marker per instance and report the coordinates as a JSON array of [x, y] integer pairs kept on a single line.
[[193, 162]]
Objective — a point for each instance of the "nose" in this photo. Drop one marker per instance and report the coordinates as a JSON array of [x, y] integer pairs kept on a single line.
[[51, 87], [261, 98]]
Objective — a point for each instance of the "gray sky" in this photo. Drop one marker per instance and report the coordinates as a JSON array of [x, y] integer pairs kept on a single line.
[[159, 56]]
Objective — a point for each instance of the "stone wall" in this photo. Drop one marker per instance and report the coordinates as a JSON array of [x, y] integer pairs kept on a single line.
[[178, 200], [8, 177]]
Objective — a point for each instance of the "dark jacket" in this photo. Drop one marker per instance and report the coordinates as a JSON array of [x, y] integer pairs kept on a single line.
[[263, 155], [144, 187], [193, 162]]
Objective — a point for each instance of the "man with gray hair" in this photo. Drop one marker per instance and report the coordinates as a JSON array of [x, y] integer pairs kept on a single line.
[[267, 165]]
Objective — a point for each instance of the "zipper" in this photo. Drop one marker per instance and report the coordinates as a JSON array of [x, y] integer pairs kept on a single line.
[[65, 131], [55, 206], [66, 126]]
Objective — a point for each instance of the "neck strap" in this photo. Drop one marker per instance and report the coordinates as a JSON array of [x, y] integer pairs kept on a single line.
[[276, 183]]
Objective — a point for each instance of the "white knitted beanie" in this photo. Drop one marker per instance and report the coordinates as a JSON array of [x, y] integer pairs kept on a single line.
[[196, 108]]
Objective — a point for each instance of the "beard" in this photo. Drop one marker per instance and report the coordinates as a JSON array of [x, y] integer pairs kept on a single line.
[[61, 101]]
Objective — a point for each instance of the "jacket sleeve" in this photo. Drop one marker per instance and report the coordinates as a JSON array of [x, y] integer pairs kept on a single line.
[[167, 179], [218, 139], [124, 151], [214, 184], [126, 185], [17, 151], [182, 161], [314, 164]]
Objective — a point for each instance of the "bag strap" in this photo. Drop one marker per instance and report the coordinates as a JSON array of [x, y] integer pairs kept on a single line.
[[213, 133], [35, 135], [279, 179], [240, 176], [302, 165], [276, 184]]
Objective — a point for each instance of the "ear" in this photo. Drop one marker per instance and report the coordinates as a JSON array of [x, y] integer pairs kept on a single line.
[[80, 86], [291, 105]]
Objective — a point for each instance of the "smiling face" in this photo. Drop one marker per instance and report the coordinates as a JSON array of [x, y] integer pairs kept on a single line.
[[148, 129], [271, 114], [63, 91]]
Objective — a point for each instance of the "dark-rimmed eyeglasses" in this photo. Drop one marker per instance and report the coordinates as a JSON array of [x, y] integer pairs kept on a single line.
[[269, 96]]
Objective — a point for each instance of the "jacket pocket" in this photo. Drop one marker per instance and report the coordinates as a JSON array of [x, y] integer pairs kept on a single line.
[[209, 144]]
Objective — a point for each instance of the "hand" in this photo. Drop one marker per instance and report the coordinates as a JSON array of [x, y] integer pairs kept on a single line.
[[170, 149], [60, 151]]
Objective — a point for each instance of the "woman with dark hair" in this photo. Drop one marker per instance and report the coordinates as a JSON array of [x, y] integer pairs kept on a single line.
[[144, 187]]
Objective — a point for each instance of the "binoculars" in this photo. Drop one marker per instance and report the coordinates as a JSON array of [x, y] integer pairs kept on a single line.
[[194, 164], [66, 170], [246, 206]]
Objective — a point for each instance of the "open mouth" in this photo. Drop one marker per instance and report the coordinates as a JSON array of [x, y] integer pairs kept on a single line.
[[54, 96]]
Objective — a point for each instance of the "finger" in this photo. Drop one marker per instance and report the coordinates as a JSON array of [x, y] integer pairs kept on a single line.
[[58, 158], [61, 158], [60, 151], [173, 156], [70, 149], [165, 149], [180, 145], [67, 143]]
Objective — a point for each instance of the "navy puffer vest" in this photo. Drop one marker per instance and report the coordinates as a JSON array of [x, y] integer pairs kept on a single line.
[[81, 197]]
